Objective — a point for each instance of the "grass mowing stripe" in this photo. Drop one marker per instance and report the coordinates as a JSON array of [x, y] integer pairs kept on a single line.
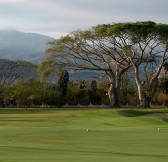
[[60, 135]]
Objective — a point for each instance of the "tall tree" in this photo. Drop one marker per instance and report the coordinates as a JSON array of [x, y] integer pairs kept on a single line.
[[148, 43], [63, 82], [93, 85], [14, 71], [165, 79], [93, 49], [166, 67]]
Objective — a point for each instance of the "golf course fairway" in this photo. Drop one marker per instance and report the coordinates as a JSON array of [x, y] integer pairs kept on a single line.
[[83, 135]]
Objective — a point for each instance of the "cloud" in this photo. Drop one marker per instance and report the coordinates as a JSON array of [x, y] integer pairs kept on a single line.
[[55, 16]]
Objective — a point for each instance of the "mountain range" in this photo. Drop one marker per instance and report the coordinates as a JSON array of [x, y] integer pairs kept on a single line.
[[30, 47], [16, 45]]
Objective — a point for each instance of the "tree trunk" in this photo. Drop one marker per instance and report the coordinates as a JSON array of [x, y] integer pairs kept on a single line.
[[146, 101], [166, 87], [153, 88], [113, 94], [114, 86], [140, 95], [139, 86], [115, 98], [110, 91]]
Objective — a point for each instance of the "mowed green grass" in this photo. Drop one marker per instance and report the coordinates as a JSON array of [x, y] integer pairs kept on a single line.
[[59, 135]]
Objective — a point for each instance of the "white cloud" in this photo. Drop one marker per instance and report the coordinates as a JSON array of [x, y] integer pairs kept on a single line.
[[62, 16]]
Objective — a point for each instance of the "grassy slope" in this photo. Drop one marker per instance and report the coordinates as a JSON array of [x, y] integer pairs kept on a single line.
[[61, 136]]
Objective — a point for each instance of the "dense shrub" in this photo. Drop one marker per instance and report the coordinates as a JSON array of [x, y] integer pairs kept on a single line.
[[161, 98], [95, 97]]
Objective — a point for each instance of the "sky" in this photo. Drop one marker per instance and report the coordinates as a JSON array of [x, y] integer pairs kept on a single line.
[[57, 18]]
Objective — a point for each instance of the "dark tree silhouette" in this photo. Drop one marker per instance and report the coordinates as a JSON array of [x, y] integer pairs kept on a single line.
[[63, 82]]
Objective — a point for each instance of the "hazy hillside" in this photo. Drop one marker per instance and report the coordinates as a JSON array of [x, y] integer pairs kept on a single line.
[[17, 70], [16, 45]]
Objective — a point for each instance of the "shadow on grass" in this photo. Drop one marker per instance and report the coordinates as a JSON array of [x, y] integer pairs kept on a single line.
[[165, 119], [133, 113], [136, 113], [82, 152]]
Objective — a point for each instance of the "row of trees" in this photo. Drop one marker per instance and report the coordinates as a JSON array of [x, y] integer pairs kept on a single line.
[[35, 93], [114, 49], [63, 92]]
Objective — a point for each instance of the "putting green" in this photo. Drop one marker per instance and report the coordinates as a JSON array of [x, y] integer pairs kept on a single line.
[[60, 135]]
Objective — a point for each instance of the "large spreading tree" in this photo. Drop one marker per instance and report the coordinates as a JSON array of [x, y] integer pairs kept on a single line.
[[147, 44], [93, 50]]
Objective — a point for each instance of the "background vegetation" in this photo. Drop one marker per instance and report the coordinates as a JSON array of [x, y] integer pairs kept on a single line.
[[34, 93]]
